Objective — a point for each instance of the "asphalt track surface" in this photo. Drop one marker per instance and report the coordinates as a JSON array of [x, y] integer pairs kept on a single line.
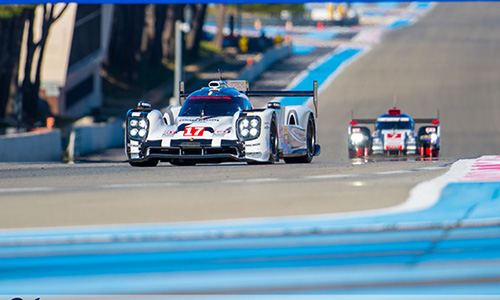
[[447, 61]]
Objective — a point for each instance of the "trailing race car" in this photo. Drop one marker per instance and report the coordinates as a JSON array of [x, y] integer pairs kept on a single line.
[[218, 123], [394, 133]]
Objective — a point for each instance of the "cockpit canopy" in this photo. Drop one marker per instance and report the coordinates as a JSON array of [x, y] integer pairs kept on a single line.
[[209, 102], [392, 121]]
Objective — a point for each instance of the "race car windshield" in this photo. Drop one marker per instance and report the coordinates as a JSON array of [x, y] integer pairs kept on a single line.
[[394, 125], [209, 107]]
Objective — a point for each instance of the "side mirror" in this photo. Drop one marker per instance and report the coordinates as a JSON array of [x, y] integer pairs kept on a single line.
[[275, 105], [144, 104]]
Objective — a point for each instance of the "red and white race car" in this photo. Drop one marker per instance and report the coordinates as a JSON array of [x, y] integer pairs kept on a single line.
[[218, 123], [394, 133]]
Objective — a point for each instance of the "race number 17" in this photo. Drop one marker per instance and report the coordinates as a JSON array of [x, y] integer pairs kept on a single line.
[[194, 131]]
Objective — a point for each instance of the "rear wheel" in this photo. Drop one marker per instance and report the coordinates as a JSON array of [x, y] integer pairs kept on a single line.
[[310, 144]]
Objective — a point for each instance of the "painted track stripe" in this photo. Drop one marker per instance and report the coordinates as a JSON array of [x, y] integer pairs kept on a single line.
[[25, 190], [163, 184]]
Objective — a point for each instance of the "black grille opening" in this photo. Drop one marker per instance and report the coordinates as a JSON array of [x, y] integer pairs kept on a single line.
[[191, 151], [195, 151], [232, 151], [170, 151]]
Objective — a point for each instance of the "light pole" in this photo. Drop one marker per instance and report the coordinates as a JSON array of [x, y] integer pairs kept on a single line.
[[180, 27]]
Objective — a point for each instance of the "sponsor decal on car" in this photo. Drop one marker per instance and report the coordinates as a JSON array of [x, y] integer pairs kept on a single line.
[[393, 147], [169, 132], [393, 119], [198, 119], [394, 135], [221, 132]]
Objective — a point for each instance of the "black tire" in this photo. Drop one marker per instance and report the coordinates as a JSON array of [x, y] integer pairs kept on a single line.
[[147, 163], [310, 141], [273, 142]]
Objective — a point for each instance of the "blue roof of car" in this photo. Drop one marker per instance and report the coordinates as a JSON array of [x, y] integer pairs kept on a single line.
[[395, 116], [219, 92]]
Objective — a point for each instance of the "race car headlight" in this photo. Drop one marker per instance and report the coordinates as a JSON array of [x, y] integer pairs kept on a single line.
[[138, 128], [244, 124], [254, 123], [249, 128], [143, 123], [245, 133], [254, 131], [434, 138], [357, 138]]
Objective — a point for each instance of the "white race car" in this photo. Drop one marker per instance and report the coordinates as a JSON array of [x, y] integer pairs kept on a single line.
[[394, 133], [218, 123]]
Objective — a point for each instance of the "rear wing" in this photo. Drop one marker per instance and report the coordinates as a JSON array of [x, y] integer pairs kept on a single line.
[[313, 93], [244, 88], [434, 121]]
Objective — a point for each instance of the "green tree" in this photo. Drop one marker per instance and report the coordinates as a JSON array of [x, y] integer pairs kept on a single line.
[[221, 21], [125, 54], [12, 21], [198, 13], [30, 87]]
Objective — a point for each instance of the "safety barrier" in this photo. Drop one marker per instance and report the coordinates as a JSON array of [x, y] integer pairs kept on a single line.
[[94, 138], [263, 61], [31, 146]]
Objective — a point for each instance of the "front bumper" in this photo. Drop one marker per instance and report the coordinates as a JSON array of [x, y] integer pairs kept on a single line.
[[197, 150]]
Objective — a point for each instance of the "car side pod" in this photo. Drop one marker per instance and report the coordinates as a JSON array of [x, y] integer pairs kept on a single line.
[[312, 149]]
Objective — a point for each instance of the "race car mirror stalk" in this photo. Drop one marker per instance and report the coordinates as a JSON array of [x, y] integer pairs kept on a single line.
[[218, 123]]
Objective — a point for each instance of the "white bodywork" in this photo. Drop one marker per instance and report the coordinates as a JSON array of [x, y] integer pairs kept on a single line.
[[385, 140], [173, 138]]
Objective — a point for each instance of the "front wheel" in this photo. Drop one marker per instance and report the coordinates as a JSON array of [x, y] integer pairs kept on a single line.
[[273, 146], [310, 144], [273, 143]]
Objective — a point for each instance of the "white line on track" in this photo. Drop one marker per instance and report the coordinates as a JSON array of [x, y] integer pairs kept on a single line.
[[26, 190], [225, 181], [138, 185], [330, 176], [422, 196]]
